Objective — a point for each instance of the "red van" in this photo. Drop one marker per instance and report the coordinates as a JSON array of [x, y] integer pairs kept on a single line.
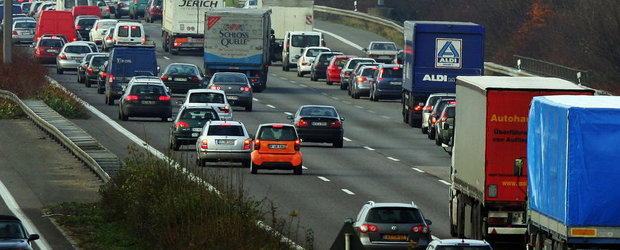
[[85, 10], [56, 22]]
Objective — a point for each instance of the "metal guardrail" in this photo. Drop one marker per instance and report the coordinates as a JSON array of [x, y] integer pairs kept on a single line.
[[544, 68], [361, 16], [76, 144]]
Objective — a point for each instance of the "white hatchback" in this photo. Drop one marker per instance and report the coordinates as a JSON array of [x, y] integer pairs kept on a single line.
[[99, 28], [210, 97], [304, 64]]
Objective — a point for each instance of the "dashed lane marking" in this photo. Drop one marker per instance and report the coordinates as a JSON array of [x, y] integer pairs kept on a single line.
[[346, 102], [346, 139], [323, 178], [271, 106], [392, 158], [385, 116], [304, 167], [167, 58], [359, 107], [445, 182], [335, 98], [288, 113], [419, 170], [254, 98], [323, 93], [347, 191], [372, 112], [369, 148]]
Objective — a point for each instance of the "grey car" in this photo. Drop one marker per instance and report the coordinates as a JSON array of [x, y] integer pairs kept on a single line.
[[236, 86], [347, 70], [360, 85], [23, 31], [181, 77], [71, 56], [224, 141], [82, 70], [107, 43], [392, 225], [428, 108], [434, 116], [444, 126]]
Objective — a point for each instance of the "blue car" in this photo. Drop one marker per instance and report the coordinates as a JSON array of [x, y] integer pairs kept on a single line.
[[387, 82], [124, 63], [13, 235]]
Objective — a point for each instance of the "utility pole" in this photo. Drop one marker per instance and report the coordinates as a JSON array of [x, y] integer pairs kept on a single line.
[[7, 29]]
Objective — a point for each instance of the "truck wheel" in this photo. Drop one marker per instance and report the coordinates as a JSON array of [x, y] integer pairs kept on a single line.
[[164, 44], [412, 122], [285, 66], [452, 227], [460, 213]]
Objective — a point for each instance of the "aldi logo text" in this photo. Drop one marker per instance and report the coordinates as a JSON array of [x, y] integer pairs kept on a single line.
[[448, 53]]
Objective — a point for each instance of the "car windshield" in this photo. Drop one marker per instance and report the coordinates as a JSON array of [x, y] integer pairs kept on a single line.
[[182, 70], [231, 130], [284, 133], [340, 61], [78, 49], [305, 40], [51, 43], [392, 73], [199, 114], [147, 90], [394, 215], [11, 230], [87, 23], [206, 98], [383, 46], [318, 111], [230, 79], [462, 248], [314, 52], [98, 61], [25, 25]]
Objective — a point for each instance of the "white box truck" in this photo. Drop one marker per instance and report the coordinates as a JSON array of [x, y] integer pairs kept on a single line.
[[183, 23]]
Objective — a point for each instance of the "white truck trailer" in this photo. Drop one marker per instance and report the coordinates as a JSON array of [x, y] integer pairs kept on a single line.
[[183, 23]]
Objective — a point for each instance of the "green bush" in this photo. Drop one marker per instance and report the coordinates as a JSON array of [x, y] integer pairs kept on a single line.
[[10, 110], [61, 102]]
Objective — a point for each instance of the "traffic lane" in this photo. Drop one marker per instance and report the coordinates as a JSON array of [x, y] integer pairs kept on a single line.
[[359, 37], [39, 172]]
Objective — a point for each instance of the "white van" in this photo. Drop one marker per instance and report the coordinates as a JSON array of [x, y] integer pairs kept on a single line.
[[128, 33], [294, 44]]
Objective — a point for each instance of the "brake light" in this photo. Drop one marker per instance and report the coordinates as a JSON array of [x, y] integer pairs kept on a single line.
[[108, 38], [77, 27], [203, 144], [429, 108], [380, 73], [37, 52], [107, 9], [144, 40], [246, 144], [444, 118], [131, 98], [288, 45], [74, 39], [181, 125], [434, 120], [253, 80], [452, 102], [225, 109], [164, 78], [302, 123], [361, 79], [215, 87], [14, 32], [126, 27], [90, 70], [164, 98], [374, 68], [396, 68], [277, 126], [84, 67], [419, 229], [120, 5], [226, 124], [418, 108], [297, 144], [365, 228], [115, 40], [111, 79], [245, 89], [257, 144], [177, 44], [346, 74], [335, 124], [195, 79], [63, 56], [332, 68], [497, 220]]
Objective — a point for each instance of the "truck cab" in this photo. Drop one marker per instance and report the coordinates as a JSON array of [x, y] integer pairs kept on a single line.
[[294, 44]]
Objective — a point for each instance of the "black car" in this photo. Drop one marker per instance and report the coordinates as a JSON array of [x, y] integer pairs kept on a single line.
[[121, 8], [13, 235], [189, 123], [318, 123], [437, 108], [320, 64], [83, 68], [83, 24], [181, 77], [145, 99]]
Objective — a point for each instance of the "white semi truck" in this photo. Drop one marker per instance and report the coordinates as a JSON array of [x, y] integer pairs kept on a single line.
[[183, 23]]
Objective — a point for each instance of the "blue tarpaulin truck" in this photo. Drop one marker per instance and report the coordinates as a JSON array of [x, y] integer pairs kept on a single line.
[[435, 54], [237, 39], [572, 161]]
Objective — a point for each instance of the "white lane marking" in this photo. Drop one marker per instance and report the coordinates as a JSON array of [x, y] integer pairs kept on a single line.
[[346, 102], [283, 78], [369, 148], [392, 158], [17, 211], [385, 116], [445, 182], [335, 98], [167, 58], [419, 170], [372, 112], [254, 98], [346, 139], [293, 81], [323, 178], [359, 107], [323, 93], [347, 191], [303, 85], [303, 167], [288, 113], [340, 38], [271, 106]]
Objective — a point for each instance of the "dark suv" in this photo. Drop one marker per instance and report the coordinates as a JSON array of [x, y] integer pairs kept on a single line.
[[387, 82], [320, 64], [392, 225]]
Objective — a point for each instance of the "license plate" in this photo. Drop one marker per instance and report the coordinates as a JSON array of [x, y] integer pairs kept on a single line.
[[51, 51], [232, 97], [225, 142], [319, 124], [180, 79], [197, 129], [396, 83], [195, 134], [277, 146], [395, 237], [148, 102]]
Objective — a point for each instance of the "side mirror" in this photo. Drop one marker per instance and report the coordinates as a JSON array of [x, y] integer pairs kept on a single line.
[[168, 90], [33, 237], [342, 118], [365, 50], [180, 102], [349, 220], [518, 167], [251, 136], [290, 117], [428, 222], [446, 126]]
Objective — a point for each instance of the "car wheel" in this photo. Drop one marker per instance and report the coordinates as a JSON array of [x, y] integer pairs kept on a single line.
[[248, 107], [109, 101], [200, 162], [299, 73], [424, 130], [338, 143], [302, 74], [355, 95], [343, 86], [246, 164], [87, 82], [313, 77], [286, 67], [431, 134], [79, 78], [253, 168], [437, 140], [174, 51], [349, 90], [329, 82], [297, 170], [174, 145], [58, 70], [122, 116]]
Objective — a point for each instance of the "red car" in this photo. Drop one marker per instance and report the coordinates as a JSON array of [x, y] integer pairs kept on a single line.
[[47, 48], [334, 68]]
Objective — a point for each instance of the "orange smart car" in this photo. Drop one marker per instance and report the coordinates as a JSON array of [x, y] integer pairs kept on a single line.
[[277, 146]]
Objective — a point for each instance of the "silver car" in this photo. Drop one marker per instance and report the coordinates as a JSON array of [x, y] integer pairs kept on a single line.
[[236, 86], [71, 56], [360, 85], [96, 34], [224, 141], [107, 42], [23, 31], [428, 108], [209, 97]]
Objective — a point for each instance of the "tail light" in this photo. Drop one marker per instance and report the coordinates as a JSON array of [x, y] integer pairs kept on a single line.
[[396, 68], [257, 144], [164, 98], [452, 102], [245, 89], [164, 78], [433, 119], [335, 124], [104, 74], [215, 87], [379, 79], [297, 144], [346, 74], [246, 144], [131, 98], [444, 118], [365, 228], [498, 220], [84, 67], [78, 27], [107, 9], [111, 79], [115, 40], [14, 32], [303, 61], [253, 80], [419, 229], [181, 124], [63, 56], [203, 144], [361, 79], [177, 44], [37, 52], [90, 70], [418, 108], [74, 39], [144, 40], [225, 109], [288, 45], [38, 37], [332, 68], [302, 123], [429, 108], [372, 56], [108, 38], [120, 5], [195, 79]]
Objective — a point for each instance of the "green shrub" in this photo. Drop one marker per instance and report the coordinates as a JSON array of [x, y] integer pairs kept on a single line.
[[10, 110], [24, 76], [61, 102]]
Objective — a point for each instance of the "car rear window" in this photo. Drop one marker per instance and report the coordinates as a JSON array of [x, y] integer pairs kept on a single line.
[[442, 104], [318, 111], [368, 72], [314, 52], [148, 90], [284, 133], [463, 248], [78, 49], [182, 70], [98, 61], [340, 61], [326, 58], [450, 112], [206, 98], [356, 62], [392, 73], [230, 78], [305, 40], [394, 215], [123, 31], [199, 114], [136, 31], [87, 23], [383, 46], [25, 25], [51, 43], [106, 25], [232, 130]]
